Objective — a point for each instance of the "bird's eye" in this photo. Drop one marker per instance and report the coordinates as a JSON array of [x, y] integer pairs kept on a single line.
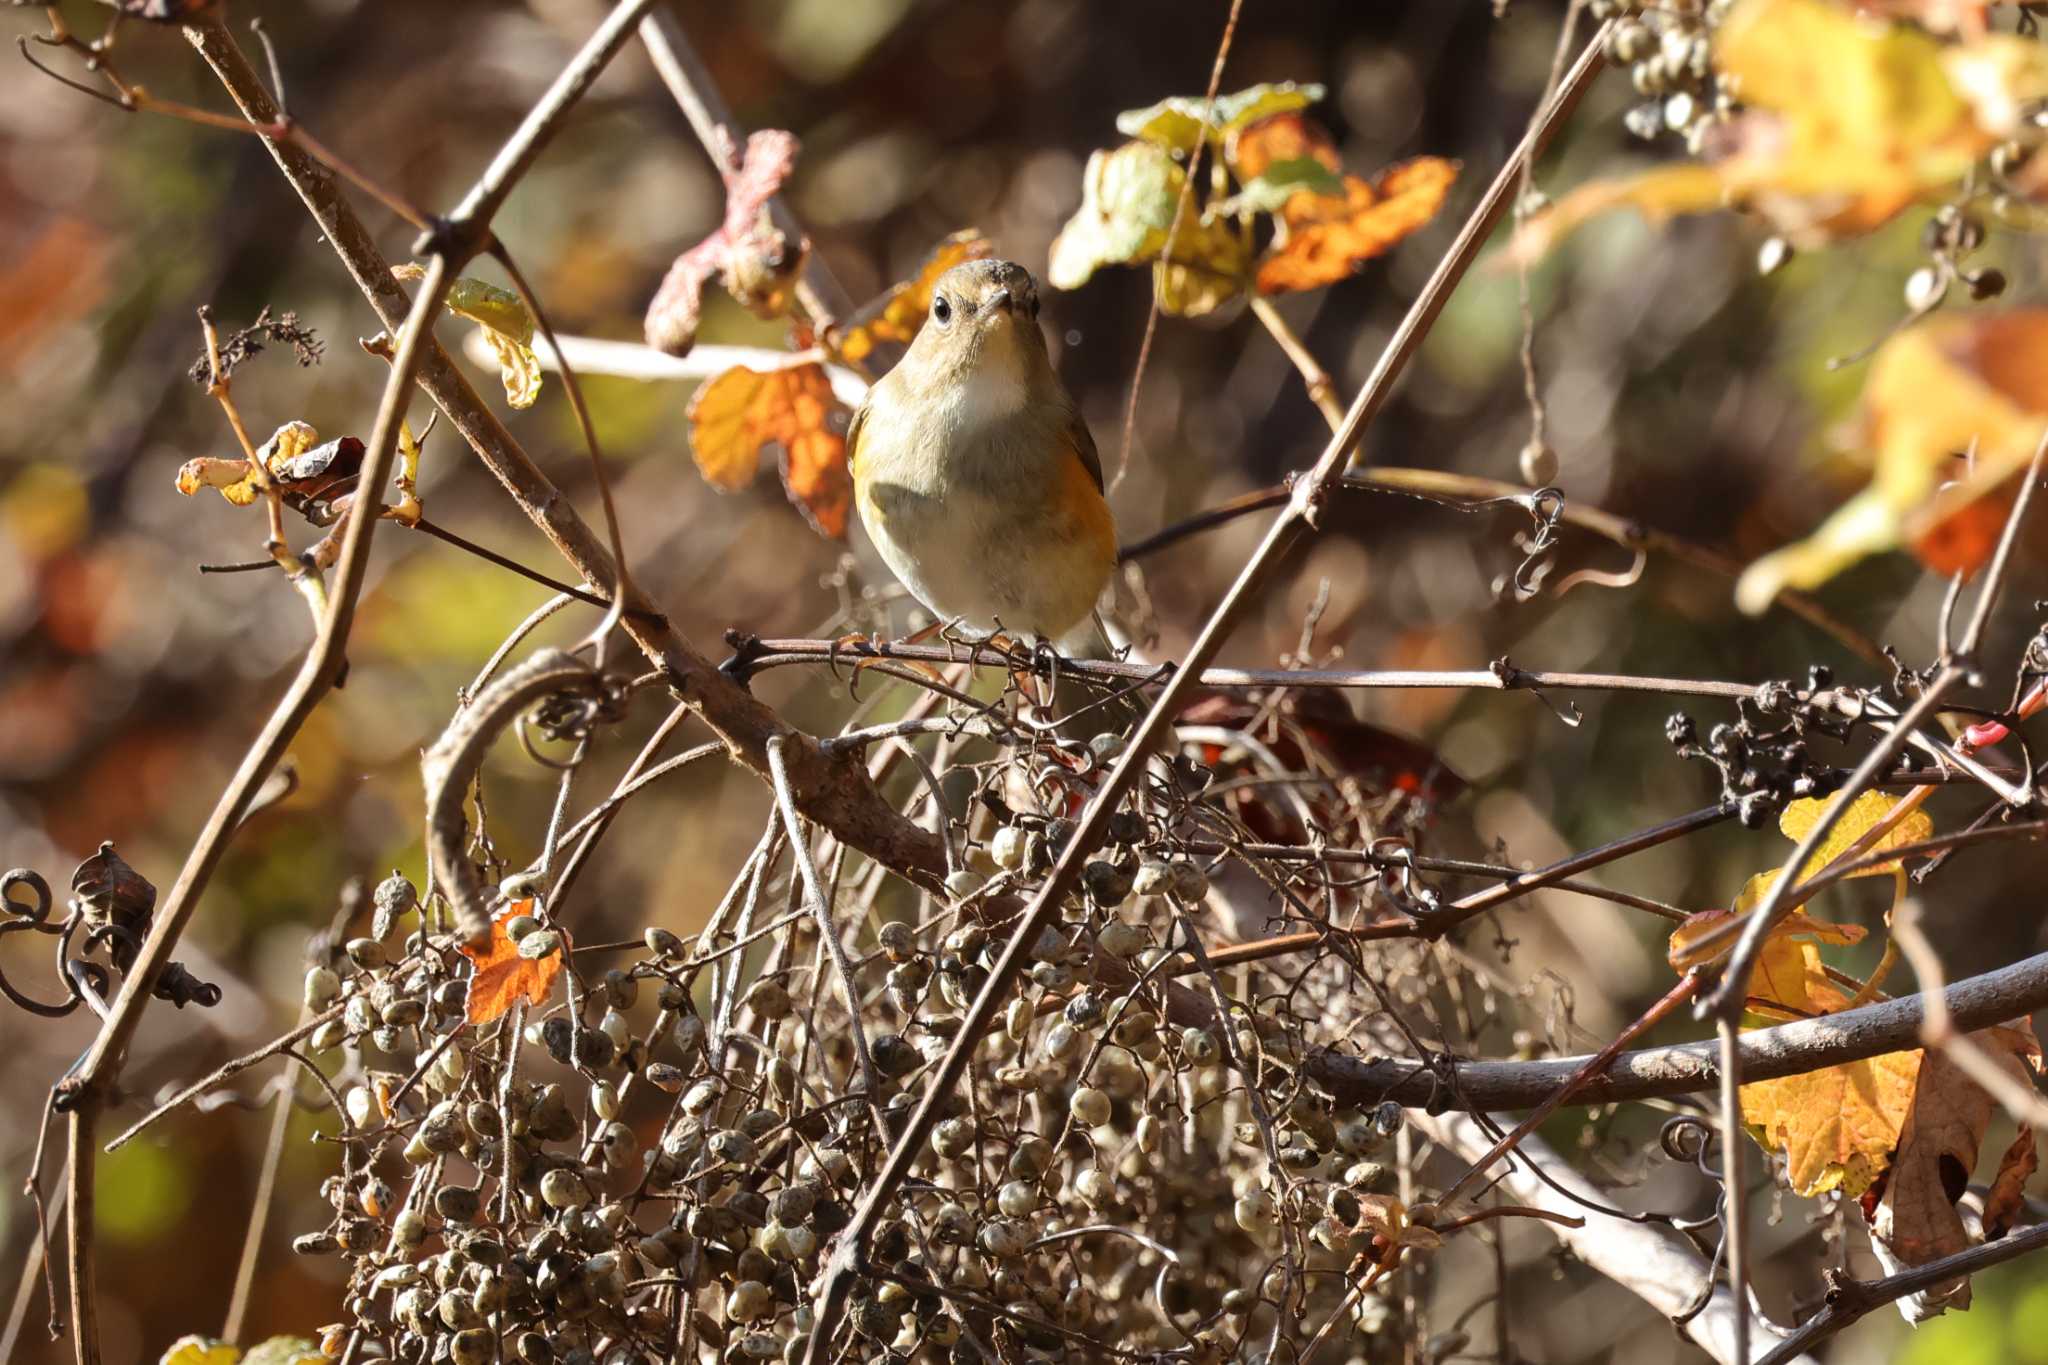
[[942, 310]]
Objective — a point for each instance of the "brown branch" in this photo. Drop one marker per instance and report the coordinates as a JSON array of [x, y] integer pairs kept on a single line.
[[1689, 1068], [449, 767]]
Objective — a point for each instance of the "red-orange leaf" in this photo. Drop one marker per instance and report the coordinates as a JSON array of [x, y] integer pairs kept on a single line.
[[741, 412], [501, 976], [1324, 237], [896, 316]]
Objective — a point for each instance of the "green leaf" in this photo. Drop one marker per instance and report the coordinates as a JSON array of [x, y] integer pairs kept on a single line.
[[1127, 199], [197, 1350], [1281, 181], [502, 319], [505, 325], [1176, 122], [284, 1351], [486, 305]]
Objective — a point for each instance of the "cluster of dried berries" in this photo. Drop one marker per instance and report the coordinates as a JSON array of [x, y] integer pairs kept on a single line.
[[1668, 51], [655, 1163]]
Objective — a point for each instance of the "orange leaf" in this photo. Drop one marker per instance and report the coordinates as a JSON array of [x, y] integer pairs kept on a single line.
[[736, 415], [500, 975], [896, 316], [1324, 237], [1251, 150], [1970, 383]]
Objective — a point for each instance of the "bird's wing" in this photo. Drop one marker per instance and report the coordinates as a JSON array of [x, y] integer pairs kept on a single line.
[[1084, 445], [853, 438]]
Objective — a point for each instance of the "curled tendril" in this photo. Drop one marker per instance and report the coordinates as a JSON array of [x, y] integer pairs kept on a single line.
[[1511, 678], [17, 878], [112, 905]]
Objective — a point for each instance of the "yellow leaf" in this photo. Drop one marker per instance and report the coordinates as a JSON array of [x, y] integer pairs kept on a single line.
[[1178, 122], [1949, 386], [492, 308], [518, 367], [504, 323], [1846, 122], [1863, 815], [197, 1350], [507, 328], [1836, 1126], [284, 1351], [1208, 267], [1127, 202]]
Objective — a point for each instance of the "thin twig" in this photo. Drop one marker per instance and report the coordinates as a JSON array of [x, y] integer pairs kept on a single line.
[[828, 932], [1848, 1300], [1165, 262]]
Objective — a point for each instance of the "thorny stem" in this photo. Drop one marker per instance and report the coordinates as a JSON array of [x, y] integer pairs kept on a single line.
[[1301, 511], [760, 655]]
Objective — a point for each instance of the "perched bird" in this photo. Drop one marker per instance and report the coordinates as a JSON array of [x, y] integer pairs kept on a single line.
[[975, 475]]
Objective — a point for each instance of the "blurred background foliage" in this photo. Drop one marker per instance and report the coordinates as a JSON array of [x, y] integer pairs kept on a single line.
[[1682, 390]]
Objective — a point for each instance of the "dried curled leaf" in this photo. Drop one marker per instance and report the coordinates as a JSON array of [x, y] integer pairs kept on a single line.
[[506, 326], [752, 258], [501, 977], [897, 315], [1323, 238], [1127, 201], [236, 479], [736, 415], [1916, 1219], [1176, 123], [1948, 386], [312, 477]]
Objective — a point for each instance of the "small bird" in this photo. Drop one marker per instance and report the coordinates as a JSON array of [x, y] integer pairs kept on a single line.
[[975, 475]]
